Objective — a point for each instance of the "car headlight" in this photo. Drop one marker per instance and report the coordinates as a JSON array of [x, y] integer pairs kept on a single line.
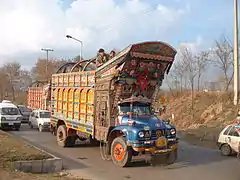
[[18, 119], [141, 134], [3, 119], [172, 131]]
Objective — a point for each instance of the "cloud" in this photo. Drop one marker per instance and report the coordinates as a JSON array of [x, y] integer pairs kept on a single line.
[[27, 25]]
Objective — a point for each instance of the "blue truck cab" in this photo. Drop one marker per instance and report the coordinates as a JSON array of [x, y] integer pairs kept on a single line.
[[143, 132]]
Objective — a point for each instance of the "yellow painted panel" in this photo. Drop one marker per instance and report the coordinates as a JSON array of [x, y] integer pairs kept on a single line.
[[90, 109], [83, 118], [76, 108], [65, 106], [90, 96], [83, 97], [65, 94], [70, 106], [70, 96], [76, 116], [83, 108], [59, 106], [76, 95], [60, 94]]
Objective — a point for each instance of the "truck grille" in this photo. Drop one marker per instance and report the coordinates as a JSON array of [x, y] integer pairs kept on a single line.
[[158, 133]]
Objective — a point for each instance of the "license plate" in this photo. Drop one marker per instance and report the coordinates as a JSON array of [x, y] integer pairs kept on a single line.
[[10, 124], [161, 142]]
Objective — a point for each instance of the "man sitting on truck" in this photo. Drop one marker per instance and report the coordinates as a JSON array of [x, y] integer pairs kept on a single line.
[[101, 58]]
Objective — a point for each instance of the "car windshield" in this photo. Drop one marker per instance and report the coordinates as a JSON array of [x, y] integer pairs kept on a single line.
[[24, 109], [9, 111], [45, 114], [137, 108]]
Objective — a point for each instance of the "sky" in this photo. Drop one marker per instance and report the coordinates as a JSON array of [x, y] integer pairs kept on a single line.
[[29, 25]]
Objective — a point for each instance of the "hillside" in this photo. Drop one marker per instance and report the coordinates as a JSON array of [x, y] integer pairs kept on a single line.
[[211, 111]]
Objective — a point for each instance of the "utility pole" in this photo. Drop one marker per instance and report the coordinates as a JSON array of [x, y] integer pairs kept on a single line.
[[70, 37], [46, 66], [236, 68]]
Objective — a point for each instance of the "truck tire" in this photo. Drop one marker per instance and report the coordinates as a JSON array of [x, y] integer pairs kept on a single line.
[[120, 153], [62, 139], [172, 157], [62, 136]]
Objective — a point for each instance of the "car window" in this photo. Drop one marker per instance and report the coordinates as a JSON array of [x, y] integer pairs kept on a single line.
[[233, 132], [227, 130]]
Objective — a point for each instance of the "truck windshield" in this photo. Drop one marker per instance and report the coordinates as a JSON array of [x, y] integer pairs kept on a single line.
[[137, 108], [9, 111], [45, 114]]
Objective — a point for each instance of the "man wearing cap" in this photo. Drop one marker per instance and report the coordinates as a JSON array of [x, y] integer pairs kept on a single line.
[[101, 57]]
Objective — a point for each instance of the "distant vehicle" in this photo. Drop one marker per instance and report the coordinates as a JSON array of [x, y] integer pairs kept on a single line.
[[229, 139], [25, 112], [40, 119], [10, 116], [6, 101]]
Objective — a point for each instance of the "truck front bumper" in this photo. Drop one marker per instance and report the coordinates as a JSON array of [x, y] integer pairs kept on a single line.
[[150, 147]]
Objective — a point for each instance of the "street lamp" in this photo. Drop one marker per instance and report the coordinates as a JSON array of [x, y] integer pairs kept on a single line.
[[70, 37], [236, 68], [46, 67]]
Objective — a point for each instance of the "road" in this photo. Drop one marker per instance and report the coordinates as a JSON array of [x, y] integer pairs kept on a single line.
[[194, 162]]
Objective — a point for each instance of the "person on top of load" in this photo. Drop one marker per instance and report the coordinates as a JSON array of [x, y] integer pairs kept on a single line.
[[101, 57], [112, 54]]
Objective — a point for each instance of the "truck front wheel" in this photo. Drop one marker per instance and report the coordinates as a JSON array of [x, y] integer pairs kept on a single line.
[[62, 139], [120, 153]]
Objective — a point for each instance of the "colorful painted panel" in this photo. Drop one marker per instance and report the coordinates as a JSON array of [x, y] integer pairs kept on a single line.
[[77, 80], [71, 80], [83, 79], [90, 78], [65, 80], [60, 80], [76, 95]]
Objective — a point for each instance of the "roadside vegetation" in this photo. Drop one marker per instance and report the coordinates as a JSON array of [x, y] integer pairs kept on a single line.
[[12, 149]]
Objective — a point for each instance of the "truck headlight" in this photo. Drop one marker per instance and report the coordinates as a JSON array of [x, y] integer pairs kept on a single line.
[[18, 119], [141, 134], [172, 131], [3, 119]]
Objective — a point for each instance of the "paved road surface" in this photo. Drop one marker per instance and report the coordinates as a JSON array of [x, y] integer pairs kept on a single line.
[[194, 162]]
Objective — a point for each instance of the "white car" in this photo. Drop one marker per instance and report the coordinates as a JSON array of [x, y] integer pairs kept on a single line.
[[229, 140], [10, 116], [40, 119]]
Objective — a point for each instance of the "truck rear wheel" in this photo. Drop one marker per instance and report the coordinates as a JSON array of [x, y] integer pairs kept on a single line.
[[120, 153], [62, 139]]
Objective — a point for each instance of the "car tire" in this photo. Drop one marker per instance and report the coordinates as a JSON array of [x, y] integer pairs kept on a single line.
[[226, 150], [30, 125]]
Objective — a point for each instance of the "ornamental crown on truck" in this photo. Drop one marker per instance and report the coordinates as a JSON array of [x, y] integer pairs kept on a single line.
[[101, 99]]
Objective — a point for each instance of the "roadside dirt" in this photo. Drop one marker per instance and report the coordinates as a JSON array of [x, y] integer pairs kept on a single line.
[[199, 120], [12, 149]]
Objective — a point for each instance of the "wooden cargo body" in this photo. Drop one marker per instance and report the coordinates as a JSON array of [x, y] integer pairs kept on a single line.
[[73, 100]]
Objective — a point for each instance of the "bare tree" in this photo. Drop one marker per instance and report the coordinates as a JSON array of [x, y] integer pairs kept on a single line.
[[12, 73], [202, 60], [189, 61], [223, 58]]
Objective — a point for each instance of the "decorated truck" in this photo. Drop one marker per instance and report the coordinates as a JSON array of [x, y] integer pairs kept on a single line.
[[38, 96], [112, 104]]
